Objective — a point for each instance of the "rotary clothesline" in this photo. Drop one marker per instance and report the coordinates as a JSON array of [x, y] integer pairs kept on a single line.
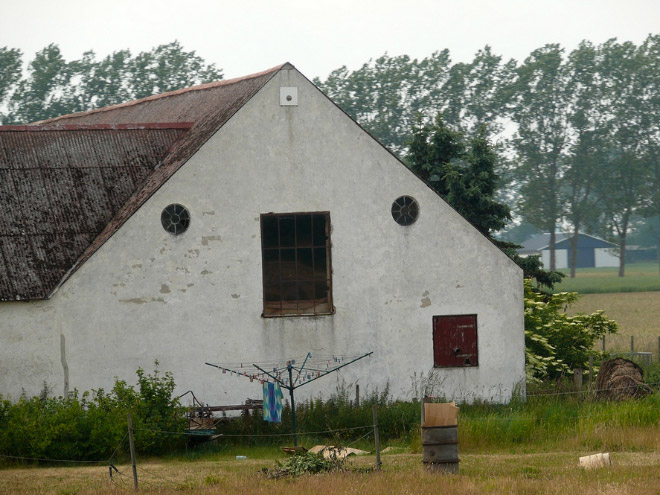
[[312, 367], [309, 373]]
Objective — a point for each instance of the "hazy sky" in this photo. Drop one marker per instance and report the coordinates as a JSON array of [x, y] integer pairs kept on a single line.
[[243, 37]]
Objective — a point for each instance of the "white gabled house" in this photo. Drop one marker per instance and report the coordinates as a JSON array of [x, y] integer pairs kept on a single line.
[[249, 220]]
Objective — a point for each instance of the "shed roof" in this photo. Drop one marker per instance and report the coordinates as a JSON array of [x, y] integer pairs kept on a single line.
[[68, 183], [540, 242]]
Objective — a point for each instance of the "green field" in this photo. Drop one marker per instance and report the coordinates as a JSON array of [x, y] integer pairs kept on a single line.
[[640, 277]]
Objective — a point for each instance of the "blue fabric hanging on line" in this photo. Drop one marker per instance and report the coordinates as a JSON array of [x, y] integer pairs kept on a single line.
[[272, 402]]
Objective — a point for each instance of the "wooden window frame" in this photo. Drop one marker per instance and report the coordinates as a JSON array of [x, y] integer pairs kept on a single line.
[[465, 354], [293, 266]]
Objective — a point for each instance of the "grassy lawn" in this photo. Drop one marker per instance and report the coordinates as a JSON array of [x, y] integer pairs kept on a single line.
[[640, 277], [534, 473]]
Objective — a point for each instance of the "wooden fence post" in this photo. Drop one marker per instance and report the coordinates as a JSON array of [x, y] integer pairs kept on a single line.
[[376, 436], [131, 445], [577, 379]]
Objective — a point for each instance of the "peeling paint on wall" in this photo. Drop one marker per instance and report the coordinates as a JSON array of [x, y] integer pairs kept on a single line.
[[206, 239], [164, 289], [192, 253], [426, 301], [143, 300], [235, 296], [208, 212]]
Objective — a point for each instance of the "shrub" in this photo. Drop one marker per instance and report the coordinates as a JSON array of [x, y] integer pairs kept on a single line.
[[556, 343], [92, 426]]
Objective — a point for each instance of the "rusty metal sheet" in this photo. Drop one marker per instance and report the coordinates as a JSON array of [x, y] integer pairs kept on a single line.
[[58, 191]]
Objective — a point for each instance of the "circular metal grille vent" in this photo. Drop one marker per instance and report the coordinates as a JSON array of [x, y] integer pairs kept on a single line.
[[175, 218], [405, 210]]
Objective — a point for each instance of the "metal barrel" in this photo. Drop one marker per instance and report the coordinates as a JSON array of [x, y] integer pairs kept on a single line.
[[440, 448]]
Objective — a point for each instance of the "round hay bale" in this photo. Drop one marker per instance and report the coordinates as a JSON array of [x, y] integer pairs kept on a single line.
[[620, 379]]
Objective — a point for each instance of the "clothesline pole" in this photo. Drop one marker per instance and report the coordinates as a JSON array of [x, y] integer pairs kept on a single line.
[[293, 405], [290, 384]]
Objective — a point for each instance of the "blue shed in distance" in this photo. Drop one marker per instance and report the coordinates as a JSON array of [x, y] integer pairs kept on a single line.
[[591, 251]]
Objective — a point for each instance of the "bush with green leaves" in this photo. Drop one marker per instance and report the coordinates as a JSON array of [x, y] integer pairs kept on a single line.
[[92, 425], [556, 343]]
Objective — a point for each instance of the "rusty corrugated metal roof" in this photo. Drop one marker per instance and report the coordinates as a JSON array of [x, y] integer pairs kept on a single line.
[[60, 188], [72, 181]]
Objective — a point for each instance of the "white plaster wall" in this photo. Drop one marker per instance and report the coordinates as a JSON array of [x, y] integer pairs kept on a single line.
[[197, 297], [561, 258], [606, 257]]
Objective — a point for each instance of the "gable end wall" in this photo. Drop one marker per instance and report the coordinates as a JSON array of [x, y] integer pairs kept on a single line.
[[197, 297]]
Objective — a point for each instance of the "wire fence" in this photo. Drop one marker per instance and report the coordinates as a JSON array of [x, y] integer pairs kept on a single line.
[[511, 417], [643, 348]]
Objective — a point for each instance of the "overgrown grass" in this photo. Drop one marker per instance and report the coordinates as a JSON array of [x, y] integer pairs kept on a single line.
[[640, 277], [562, 422]]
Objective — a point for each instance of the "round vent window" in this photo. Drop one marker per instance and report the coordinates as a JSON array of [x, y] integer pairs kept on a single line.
[[405, 210], [175, 219]]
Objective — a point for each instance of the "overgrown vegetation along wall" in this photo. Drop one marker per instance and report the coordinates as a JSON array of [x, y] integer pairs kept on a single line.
[[90, 426], [93, 426]]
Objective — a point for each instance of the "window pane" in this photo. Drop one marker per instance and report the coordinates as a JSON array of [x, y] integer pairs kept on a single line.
[[271, 266], [288, 264], [287, 231], [269, 231], [321, 291], [305, 264], [272, 294], [306, 291], [319, 230], [289, 291], [303, 230], [320, 263]]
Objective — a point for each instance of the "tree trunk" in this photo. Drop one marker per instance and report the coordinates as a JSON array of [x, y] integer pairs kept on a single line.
[[622, 254], [574, 243], [553, 262], [623, 232]]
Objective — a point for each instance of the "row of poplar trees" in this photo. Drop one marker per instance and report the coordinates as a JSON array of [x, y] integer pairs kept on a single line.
[[577, 133]]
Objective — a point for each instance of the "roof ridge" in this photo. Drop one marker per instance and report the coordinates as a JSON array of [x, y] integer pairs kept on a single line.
[[199, 87]]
